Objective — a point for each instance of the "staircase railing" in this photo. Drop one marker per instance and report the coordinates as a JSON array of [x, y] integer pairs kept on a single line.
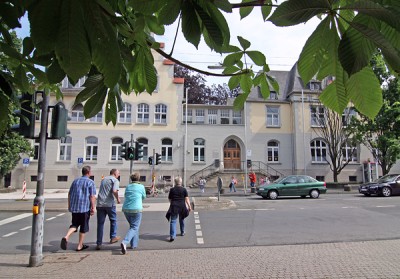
[[205, 172], [265, 169]]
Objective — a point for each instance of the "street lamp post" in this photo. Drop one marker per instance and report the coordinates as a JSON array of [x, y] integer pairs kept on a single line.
[[186, 137]]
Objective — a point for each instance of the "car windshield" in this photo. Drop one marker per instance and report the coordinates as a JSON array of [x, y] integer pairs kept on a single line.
[[387, 178]]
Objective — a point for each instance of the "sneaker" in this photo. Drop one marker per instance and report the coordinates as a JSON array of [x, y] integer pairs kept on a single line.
[[123, 248], [115, 239], [171, 239], [98, 247], [183, 233]]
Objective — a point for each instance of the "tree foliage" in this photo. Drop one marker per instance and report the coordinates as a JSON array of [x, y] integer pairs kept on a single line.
[[381, 135], [110, 41], [199, 92], [341, 144]]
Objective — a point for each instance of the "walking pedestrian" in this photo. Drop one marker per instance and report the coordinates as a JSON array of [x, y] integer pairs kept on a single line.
[[179, 206], [135, 193], [81, 204], [202, 184], [253, 178], [232, 184], [108, 193]]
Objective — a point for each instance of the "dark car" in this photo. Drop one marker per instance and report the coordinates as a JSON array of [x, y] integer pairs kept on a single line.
[[292, 185], [385, 186]]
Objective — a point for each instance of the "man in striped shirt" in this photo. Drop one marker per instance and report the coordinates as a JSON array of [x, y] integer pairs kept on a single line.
[[81, 203]]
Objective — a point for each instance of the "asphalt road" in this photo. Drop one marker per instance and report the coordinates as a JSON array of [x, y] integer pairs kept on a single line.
[[252, 221]]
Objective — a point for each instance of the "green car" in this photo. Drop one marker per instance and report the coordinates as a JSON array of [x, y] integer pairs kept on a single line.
[[292, 185]]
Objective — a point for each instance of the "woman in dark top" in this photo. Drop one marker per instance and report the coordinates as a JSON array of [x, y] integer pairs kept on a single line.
[[179, 205]]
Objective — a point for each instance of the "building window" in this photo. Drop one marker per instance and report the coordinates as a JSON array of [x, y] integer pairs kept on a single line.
[[224, 116], [142, 178], [198, 150], [187, 119], [116, 149], [33, 178], [145, 143], [212, 116], [317, 116], [237, 117], [125, 115], [352, 178], [65, 149], [273, 151], [314, 85], [91, 149], [318, 151], [166, 150], [347, 115], [67, 84], [273, 95], [98, 118], [36, 150], [273, 119], [143, 113], [62, 178], [200, 116], [160, 115], [77, 113], [349, 153]]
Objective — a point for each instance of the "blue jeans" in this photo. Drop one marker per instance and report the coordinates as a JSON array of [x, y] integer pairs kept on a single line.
[[132, 236], [232, 188], [172, 225], [102, 213]]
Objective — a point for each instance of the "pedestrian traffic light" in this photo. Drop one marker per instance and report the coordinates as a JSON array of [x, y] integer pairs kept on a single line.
[[131, 153], [59, 122], [124, 150], [138, 150], [158, 158], [151, 160], [27, 116]]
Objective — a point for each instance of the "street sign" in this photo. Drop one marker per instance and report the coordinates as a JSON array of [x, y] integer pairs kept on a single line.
[[25, 162], [80, 160]]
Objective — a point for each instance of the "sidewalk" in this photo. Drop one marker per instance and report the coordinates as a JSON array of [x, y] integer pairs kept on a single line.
[[347, 260]]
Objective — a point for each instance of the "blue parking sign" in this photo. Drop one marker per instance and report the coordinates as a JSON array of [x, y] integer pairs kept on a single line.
[[25, 161], [80, 160]]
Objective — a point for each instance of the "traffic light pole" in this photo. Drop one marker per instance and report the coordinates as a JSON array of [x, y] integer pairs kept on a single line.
[[131, 164], [153, 177], [36, 256]]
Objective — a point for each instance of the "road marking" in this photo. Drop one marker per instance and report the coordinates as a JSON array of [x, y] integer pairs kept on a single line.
[[26, 228], [198, 227], [345, 207], [244, 209], [9, 234], [15, 218], [385, 206], [264, 209], [200, 240], [197, 221], [61, 214], [51, 218], [199, 233]]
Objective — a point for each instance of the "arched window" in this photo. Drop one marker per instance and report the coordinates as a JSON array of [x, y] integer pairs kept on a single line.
[[143, 113], [272, 151], [65, 149], [198, 150], [91, 144], [77, 113], [116, 149], [318, 151], [160, 115], [145, 143], [166, 150], [125, 115]]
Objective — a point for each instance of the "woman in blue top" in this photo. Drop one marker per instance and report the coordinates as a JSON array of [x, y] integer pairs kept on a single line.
[[132, 208]]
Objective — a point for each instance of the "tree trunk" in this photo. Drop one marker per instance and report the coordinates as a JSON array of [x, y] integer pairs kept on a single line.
[[335, 176]]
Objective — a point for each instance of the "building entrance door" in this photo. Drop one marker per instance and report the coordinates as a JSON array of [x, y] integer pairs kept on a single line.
[[231, 155]]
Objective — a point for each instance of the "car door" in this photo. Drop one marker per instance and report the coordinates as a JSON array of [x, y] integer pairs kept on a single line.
[[289, 186], [396, 186], [303, 185]]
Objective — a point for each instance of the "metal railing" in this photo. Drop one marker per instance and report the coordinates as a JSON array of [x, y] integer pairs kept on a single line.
[[205, 173]]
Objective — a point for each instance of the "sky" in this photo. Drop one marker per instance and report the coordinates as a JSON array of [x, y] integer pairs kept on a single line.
[[281, 45]]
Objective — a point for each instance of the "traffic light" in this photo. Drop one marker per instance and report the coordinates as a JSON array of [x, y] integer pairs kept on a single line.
[[59, 121], [151, 160], [158, 158], [124, 150], [131, 153], [138, 150], [27, 115]]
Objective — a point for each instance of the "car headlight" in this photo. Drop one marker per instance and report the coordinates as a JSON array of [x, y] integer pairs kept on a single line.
[[260, 189]]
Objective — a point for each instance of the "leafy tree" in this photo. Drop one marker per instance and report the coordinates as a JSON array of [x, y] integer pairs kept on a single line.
[[341, 143], [381, 135], [111, 42], [200, 92]]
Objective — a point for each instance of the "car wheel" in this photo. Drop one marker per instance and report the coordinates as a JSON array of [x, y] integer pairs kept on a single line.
[[273, 194], [367, 195], [386, 192], [314, 193]]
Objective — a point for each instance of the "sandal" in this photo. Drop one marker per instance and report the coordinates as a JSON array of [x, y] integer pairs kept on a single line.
[[64, 243], [83, 248]]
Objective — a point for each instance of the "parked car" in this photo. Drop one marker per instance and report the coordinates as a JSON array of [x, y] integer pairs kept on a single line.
[[385, 186], [292, 185]]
